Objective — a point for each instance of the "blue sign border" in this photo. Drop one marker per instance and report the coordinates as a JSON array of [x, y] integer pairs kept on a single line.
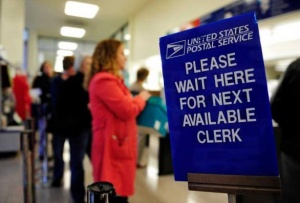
[[255, 154]]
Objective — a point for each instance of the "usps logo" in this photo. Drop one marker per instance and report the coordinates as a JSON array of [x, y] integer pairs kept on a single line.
[[175, 49]]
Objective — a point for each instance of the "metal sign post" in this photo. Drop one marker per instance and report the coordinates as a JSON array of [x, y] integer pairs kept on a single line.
[[231, 198], [218, 108]]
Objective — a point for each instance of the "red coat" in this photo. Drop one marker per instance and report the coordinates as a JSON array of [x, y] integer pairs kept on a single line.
[[23, 99], [114, 146]]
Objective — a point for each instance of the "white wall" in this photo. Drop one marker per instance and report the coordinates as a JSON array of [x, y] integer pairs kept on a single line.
[[154, 21], [159, 17], [11, 29], [33, 63]]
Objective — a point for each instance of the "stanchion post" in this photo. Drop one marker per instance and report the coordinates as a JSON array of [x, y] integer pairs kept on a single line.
[[27, 148], [27, 167], [101, 192]]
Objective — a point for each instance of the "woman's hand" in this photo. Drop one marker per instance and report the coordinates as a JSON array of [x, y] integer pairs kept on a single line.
[[145, 95]]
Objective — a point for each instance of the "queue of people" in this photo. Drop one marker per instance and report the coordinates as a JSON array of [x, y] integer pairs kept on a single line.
[[96, 113]]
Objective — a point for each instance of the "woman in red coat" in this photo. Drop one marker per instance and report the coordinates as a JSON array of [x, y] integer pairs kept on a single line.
[[114, 112]]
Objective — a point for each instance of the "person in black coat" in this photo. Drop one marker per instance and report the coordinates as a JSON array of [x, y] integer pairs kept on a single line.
[[43, 81], [71, 121], [41, 110], [85, 66], [285, 107]]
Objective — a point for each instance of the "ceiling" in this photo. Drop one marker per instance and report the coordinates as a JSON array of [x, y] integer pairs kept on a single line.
[[46, 17]]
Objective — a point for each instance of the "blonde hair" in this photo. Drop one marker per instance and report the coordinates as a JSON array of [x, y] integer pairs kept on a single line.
[[104, 59]]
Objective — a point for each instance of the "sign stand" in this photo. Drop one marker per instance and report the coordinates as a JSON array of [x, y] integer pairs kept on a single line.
[[231, 198], [215, 85], [234, 184]]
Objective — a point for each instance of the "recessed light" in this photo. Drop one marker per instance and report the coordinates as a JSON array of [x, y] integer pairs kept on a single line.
[[126, 52], [67, 45], [64, 53], [72, 32], [79, 9], [127, 37]]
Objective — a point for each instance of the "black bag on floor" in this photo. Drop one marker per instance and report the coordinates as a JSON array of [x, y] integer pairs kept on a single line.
[[164, 156]]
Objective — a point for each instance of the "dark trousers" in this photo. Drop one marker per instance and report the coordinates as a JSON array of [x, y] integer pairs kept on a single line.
[[42, 136], [290, 179], [77, 142], [40, 112], [89, 144]]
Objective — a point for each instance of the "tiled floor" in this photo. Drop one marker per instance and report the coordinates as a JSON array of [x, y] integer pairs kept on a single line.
[[150, 188], [11, 183]]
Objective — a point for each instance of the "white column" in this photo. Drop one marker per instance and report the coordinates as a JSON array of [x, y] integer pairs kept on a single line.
[[33, 63], [12, 23]]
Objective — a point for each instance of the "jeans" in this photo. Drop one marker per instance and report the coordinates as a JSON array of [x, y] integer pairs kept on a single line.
[[42, 136], [77, 142], [142, 140]]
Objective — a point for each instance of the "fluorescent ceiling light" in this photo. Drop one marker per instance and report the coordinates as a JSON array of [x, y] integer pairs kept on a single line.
[[126, 52], [79, 9], [127, 37], [280, 33], [64, 53], [72, 32], [67, 45], [287, 27]]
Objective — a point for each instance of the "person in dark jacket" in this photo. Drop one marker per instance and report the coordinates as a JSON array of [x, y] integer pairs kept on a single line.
[[42, 109], [43, 81], [285, 111], [71, 120], [83, 70]]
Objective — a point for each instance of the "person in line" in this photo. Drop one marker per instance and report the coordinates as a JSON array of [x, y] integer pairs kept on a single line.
[[70, 113], [285, 111], [85, 66], [43, 82], [135, 88], [114, 112], [20, 87]]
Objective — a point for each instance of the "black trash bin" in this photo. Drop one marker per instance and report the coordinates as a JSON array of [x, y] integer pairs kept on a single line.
[[101, 192]]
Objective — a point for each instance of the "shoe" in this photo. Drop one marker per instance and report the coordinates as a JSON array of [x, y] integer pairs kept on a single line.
[[120, 199], [56, 183], [41, 158], [50, 158], [141, 165]]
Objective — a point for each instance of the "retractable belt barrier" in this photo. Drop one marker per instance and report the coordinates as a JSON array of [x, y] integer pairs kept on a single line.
[[101, 192]]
